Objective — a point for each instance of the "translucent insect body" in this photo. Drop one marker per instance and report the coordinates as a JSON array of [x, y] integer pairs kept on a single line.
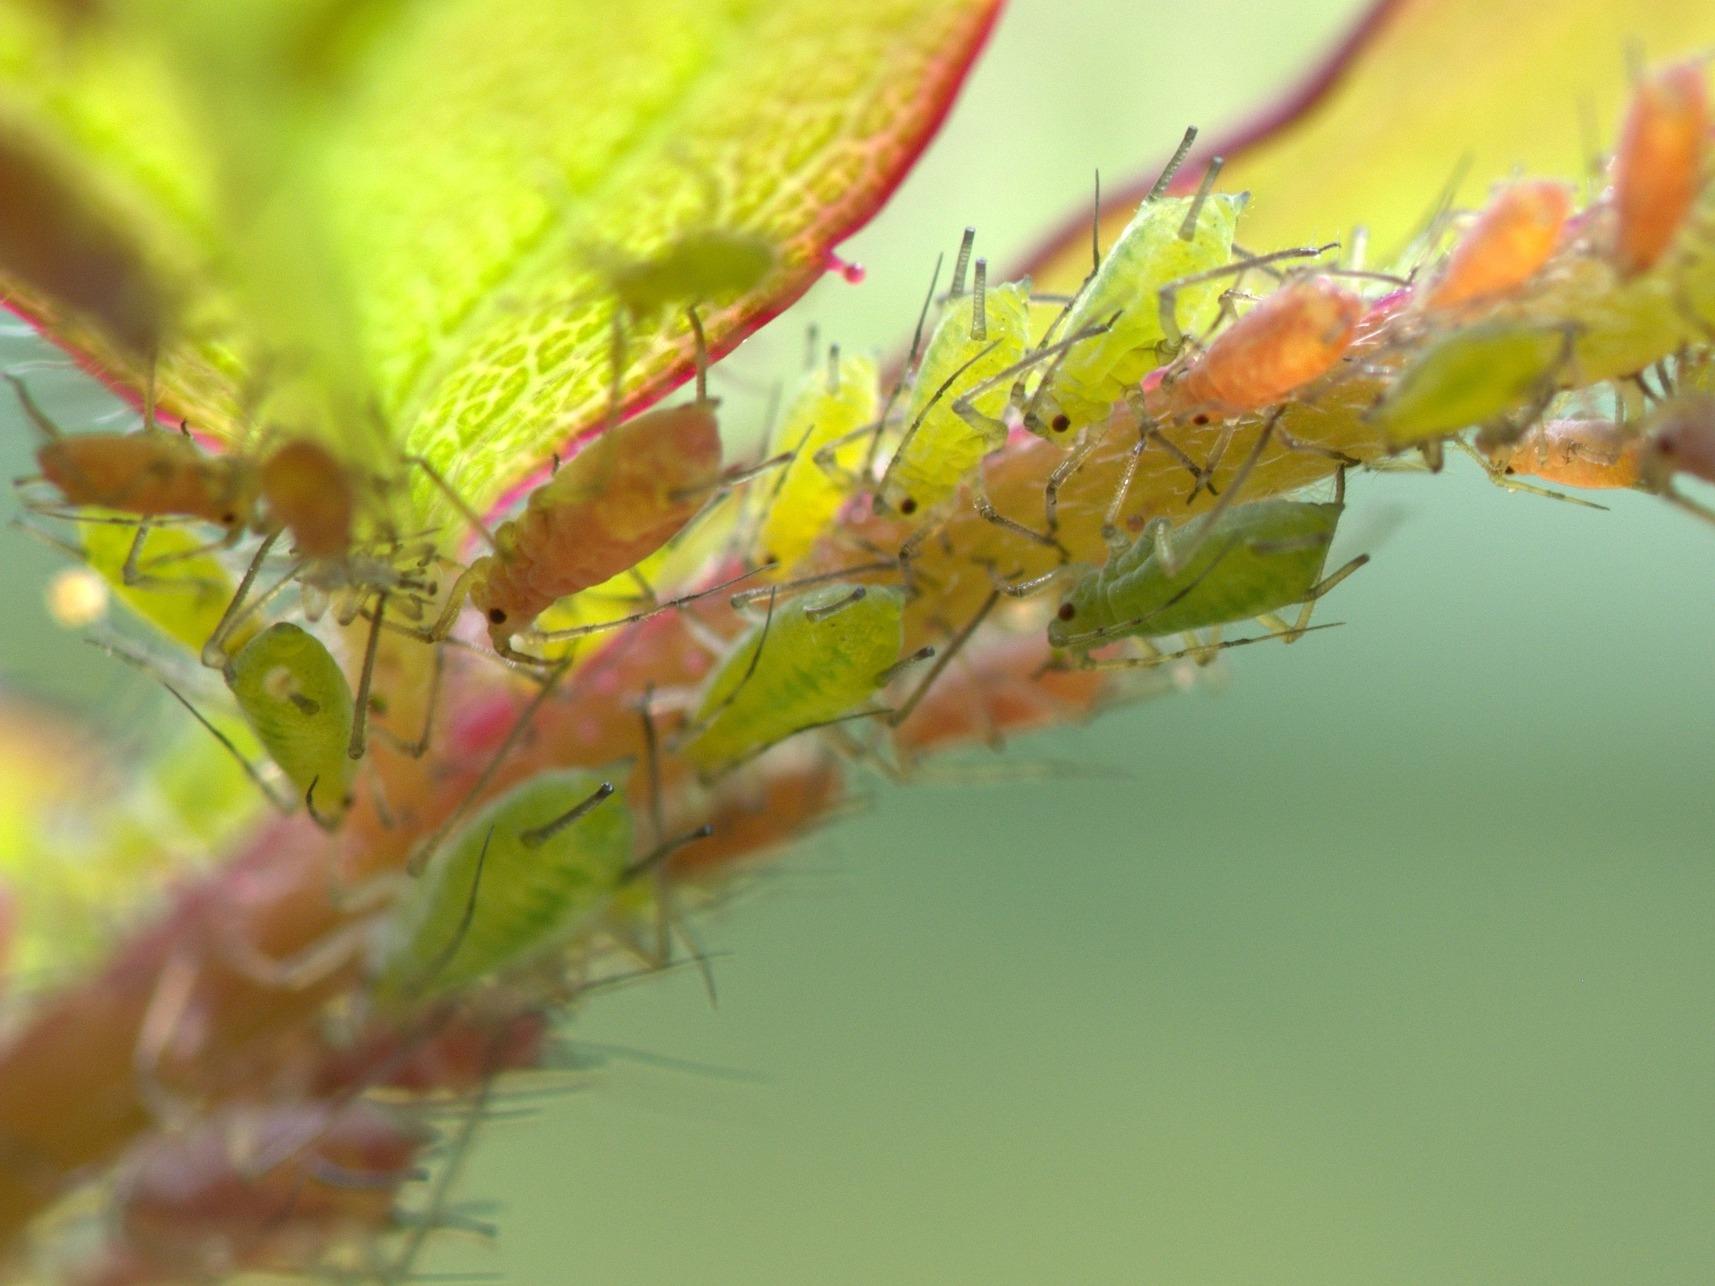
[[813, 660]]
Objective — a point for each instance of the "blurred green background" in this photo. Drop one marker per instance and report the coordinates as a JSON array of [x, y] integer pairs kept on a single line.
[[1389, 962]]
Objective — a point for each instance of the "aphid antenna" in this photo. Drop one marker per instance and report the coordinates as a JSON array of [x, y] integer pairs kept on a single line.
[[113, 647], [672, 604], [1167, 298], [1201, 651], [750, 596], [943, 660], [917, 421], [37, 417], [1164, 180], [1026, 588], [962, 263], [458, 502], [420, 858], [755, 657], [1501, 478], [1188, 229], [652, 760], [905, 370]]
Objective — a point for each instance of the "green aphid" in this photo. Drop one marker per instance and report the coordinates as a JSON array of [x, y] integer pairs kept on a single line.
[[296, 699], [1249, 561], [977, 338], [813, 660], [177, 586], [825, 411], [1471, 377], [1081, 386], [710, 264], [521, 878]]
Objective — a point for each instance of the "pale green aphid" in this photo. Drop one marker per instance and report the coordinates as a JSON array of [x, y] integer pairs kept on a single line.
[[1249, 561], [711, 263], [295, 698], [1473, 376], [977, 338], [1081, 386], [518, 880], [813, 660], [828, 405]]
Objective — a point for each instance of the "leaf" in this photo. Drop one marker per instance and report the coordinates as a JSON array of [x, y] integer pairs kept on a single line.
[[1421, 92], [388, 223]]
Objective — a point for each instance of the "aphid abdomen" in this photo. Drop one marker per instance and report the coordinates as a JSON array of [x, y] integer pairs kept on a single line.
[[946, 447], [508, 887], [309, 493], [818, 660], [1292, 337], [1658, 167], [1511, 239], [1590, 454], [826, 407], [1471, 376], [1148, 255], [148, 474], [704, 265], [612, 505], [296, 699]]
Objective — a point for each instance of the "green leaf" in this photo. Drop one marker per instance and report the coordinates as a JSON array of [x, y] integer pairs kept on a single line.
[[397, 223]]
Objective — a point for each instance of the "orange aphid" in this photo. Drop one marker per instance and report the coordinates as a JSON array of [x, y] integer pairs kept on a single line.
[[1658, 168], [1510, 240], [1003, 689], [1292, 337], [616, 502], [1590, 454], [309, 493], [151, 474]]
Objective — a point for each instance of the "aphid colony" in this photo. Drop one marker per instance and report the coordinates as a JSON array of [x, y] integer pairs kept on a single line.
[[1050, 495]]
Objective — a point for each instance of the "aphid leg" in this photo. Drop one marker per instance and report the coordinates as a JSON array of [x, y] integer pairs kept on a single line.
[[1674, 496], [1235, 486], [1157, 657], [164, 1016], [746, 597], [1060, 475], [1340, 458], [988, 513], [755, 657], [133, 572], [1113, 535], [1025, 588], [1205, 473], [1167, 298], [1178, 453], [418, 748], [1501, 478], [600, 627], [360, 714], [1044, 351], [943, 660], [1302, 624], [445, 1178], [214, 651]]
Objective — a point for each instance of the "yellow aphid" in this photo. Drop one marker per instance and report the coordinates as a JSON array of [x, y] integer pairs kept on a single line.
[[178, 587], [828, 405]]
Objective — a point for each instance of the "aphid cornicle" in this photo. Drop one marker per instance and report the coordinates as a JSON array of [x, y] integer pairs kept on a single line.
[[1295, 335], [1658, 166], [1169, 238], [827, 406], [519, 879], [296, 699], [811, 661], [617, 501], [1247, 562], [973, 342], [1505, 246]]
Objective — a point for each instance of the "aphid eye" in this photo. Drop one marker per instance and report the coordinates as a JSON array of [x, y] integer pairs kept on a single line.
[[908, 506], [1060, 423], [1066, 612], [1200, 418], [1510, 471], [496, 616], [229, 520]]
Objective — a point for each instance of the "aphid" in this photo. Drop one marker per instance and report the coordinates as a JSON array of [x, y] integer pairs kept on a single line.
[[1477, 375], [296, 699], [1250, 560], [520, 878], [193, 1204], [826, 407], [813, 660], [1679, 437], [309, 493], [1295, 335], [1509, 241], [1592, 454], [695, 267], [1658, 167], [1168, 239], [969, 347], [621, 498], [167, 576]]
